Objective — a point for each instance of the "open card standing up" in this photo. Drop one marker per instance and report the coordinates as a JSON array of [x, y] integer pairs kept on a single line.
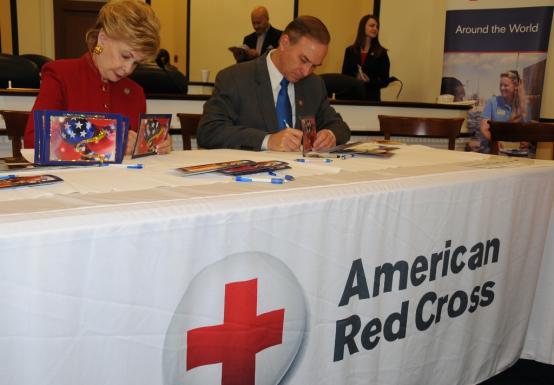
[[79, 138], [153, 131], [309, 133]]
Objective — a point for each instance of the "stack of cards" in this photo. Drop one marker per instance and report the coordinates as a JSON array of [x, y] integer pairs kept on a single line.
[[84, 138], [235, 167], [153, 130], [13, 181], [79, 138]]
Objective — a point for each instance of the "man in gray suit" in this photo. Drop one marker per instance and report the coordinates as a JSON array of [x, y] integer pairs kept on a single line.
[[241, 113]]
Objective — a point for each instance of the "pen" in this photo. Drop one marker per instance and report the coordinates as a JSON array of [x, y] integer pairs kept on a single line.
[[11, 176], [258, 179], [344, 156], [288, 178], [135, 166], [313, 160], [286, 123]]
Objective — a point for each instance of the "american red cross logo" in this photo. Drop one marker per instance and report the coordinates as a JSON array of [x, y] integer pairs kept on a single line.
[[242, 334]]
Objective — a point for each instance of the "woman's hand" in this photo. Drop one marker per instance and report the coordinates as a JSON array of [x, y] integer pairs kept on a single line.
[[162, 149], [131, 139], [165, 146], [361, 75]]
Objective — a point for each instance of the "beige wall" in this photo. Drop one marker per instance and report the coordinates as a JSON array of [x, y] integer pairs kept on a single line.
[[231, 22], [5, 26], [219, 24], [35, 22], [547, 106], [415, 40], [173, 14], [341, 18]]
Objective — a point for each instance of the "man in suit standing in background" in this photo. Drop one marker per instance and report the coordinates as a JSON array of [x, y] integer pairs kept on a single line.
[[264, 37], [251, 106]]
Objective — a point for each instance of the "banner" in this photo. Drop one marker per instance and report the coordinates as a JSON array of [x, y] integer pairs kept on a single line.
[[495, 56]]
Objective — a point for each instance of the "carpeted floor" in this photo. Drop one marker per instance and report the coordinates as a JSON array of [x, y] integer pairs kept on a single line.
[[524, 372]]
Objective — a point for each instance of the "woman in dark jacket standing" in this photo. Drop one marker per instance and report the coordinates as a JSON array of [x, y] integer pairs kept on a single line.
[[367, 60]]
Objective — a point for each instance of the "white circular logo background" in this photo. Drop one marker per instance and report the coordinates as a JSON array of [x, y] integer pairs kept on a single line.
[[203, 305]]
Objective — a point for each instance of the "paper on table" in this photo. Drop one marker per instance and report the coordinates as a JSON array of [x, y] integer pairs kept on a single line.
[[158, 171], [29, 154]]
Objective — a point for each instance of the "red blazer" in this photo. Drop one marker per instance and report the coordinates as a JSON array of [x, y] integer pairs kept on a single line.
[[76, 85]]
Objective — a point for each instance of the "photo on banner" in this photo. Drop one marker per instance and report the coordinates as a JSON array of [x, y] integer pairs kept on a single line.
[[495, 56]]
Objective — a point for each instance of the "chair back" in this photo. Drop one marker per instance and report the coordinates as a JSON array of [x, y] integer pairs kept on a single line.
[[16, 121], [39, 60], [189, 124], [344, 87], [156, 80], [418, 126], [21, 72], [520, 132]]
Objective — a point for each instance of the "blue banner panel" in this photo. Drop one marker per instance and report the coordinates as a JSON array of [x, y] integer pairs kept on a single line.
[[498, 30]]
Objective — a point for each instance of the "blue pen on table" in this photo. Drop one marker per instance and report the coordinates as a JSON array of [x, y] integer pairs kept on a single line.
[[260, 179], [11, 176], [288, 178], [135, 166], [313, 160]]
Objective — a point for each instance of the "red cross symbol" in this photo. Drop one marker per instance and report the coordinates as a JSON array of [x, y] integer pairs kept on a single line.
[[242, 334]]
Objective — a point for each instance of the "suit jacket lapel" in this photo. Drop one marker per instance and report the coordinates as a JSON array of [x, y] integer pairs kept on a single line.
[[299, 103], [265, 95]]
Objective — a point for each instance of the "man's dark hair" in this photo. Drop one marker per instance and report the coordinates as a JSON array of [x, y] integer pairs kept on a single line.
[[308, 26], [449, 84], [163, 58]]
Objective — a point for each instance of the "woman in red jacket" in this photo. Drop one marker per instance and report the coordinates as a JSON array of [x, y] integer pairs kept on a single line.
[[127, 32]]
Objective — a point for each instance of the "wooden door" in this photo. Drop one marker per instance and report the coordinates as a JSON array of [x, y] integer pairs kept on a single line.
[[72, 19]]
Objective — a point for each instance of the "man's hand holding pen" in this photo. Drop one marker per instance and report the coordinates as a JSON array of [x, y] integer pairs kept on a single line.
[[288, 139], [325, 139]]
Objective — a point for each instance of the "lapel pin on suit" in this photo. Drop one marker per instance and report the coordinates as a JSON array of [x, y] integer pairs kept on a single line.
[[299, 111]]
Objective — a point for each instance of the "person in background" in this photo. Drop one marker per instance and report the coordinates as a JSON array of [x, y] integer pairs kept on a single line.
[[251, 106], [264, 37], [126, 33], [175, 80], [163, 60], [454, 87], [509, 106], [366, 59]]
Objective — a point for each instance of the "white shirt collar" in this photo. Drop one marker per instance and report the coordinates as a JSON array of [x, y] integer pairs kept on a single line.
[[275, 78], [274, 75]]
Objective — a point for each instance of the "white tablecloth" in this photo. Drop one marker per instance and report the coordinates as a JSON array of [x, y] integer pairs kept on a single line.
[[431, 267]]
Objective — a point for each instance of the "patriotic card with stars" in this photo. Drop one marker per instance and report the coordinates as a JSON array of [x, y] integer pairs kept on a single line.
[[153, 130], [79, 138]]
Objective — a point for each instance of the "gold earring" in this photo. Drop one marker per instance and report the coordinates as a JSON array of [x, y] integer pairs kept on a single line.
[[97, 50]]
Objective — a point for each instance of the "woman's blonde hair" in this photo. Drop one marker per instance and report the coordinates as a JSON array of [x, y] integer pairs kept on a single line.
[[519, 102], [131, 21]]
